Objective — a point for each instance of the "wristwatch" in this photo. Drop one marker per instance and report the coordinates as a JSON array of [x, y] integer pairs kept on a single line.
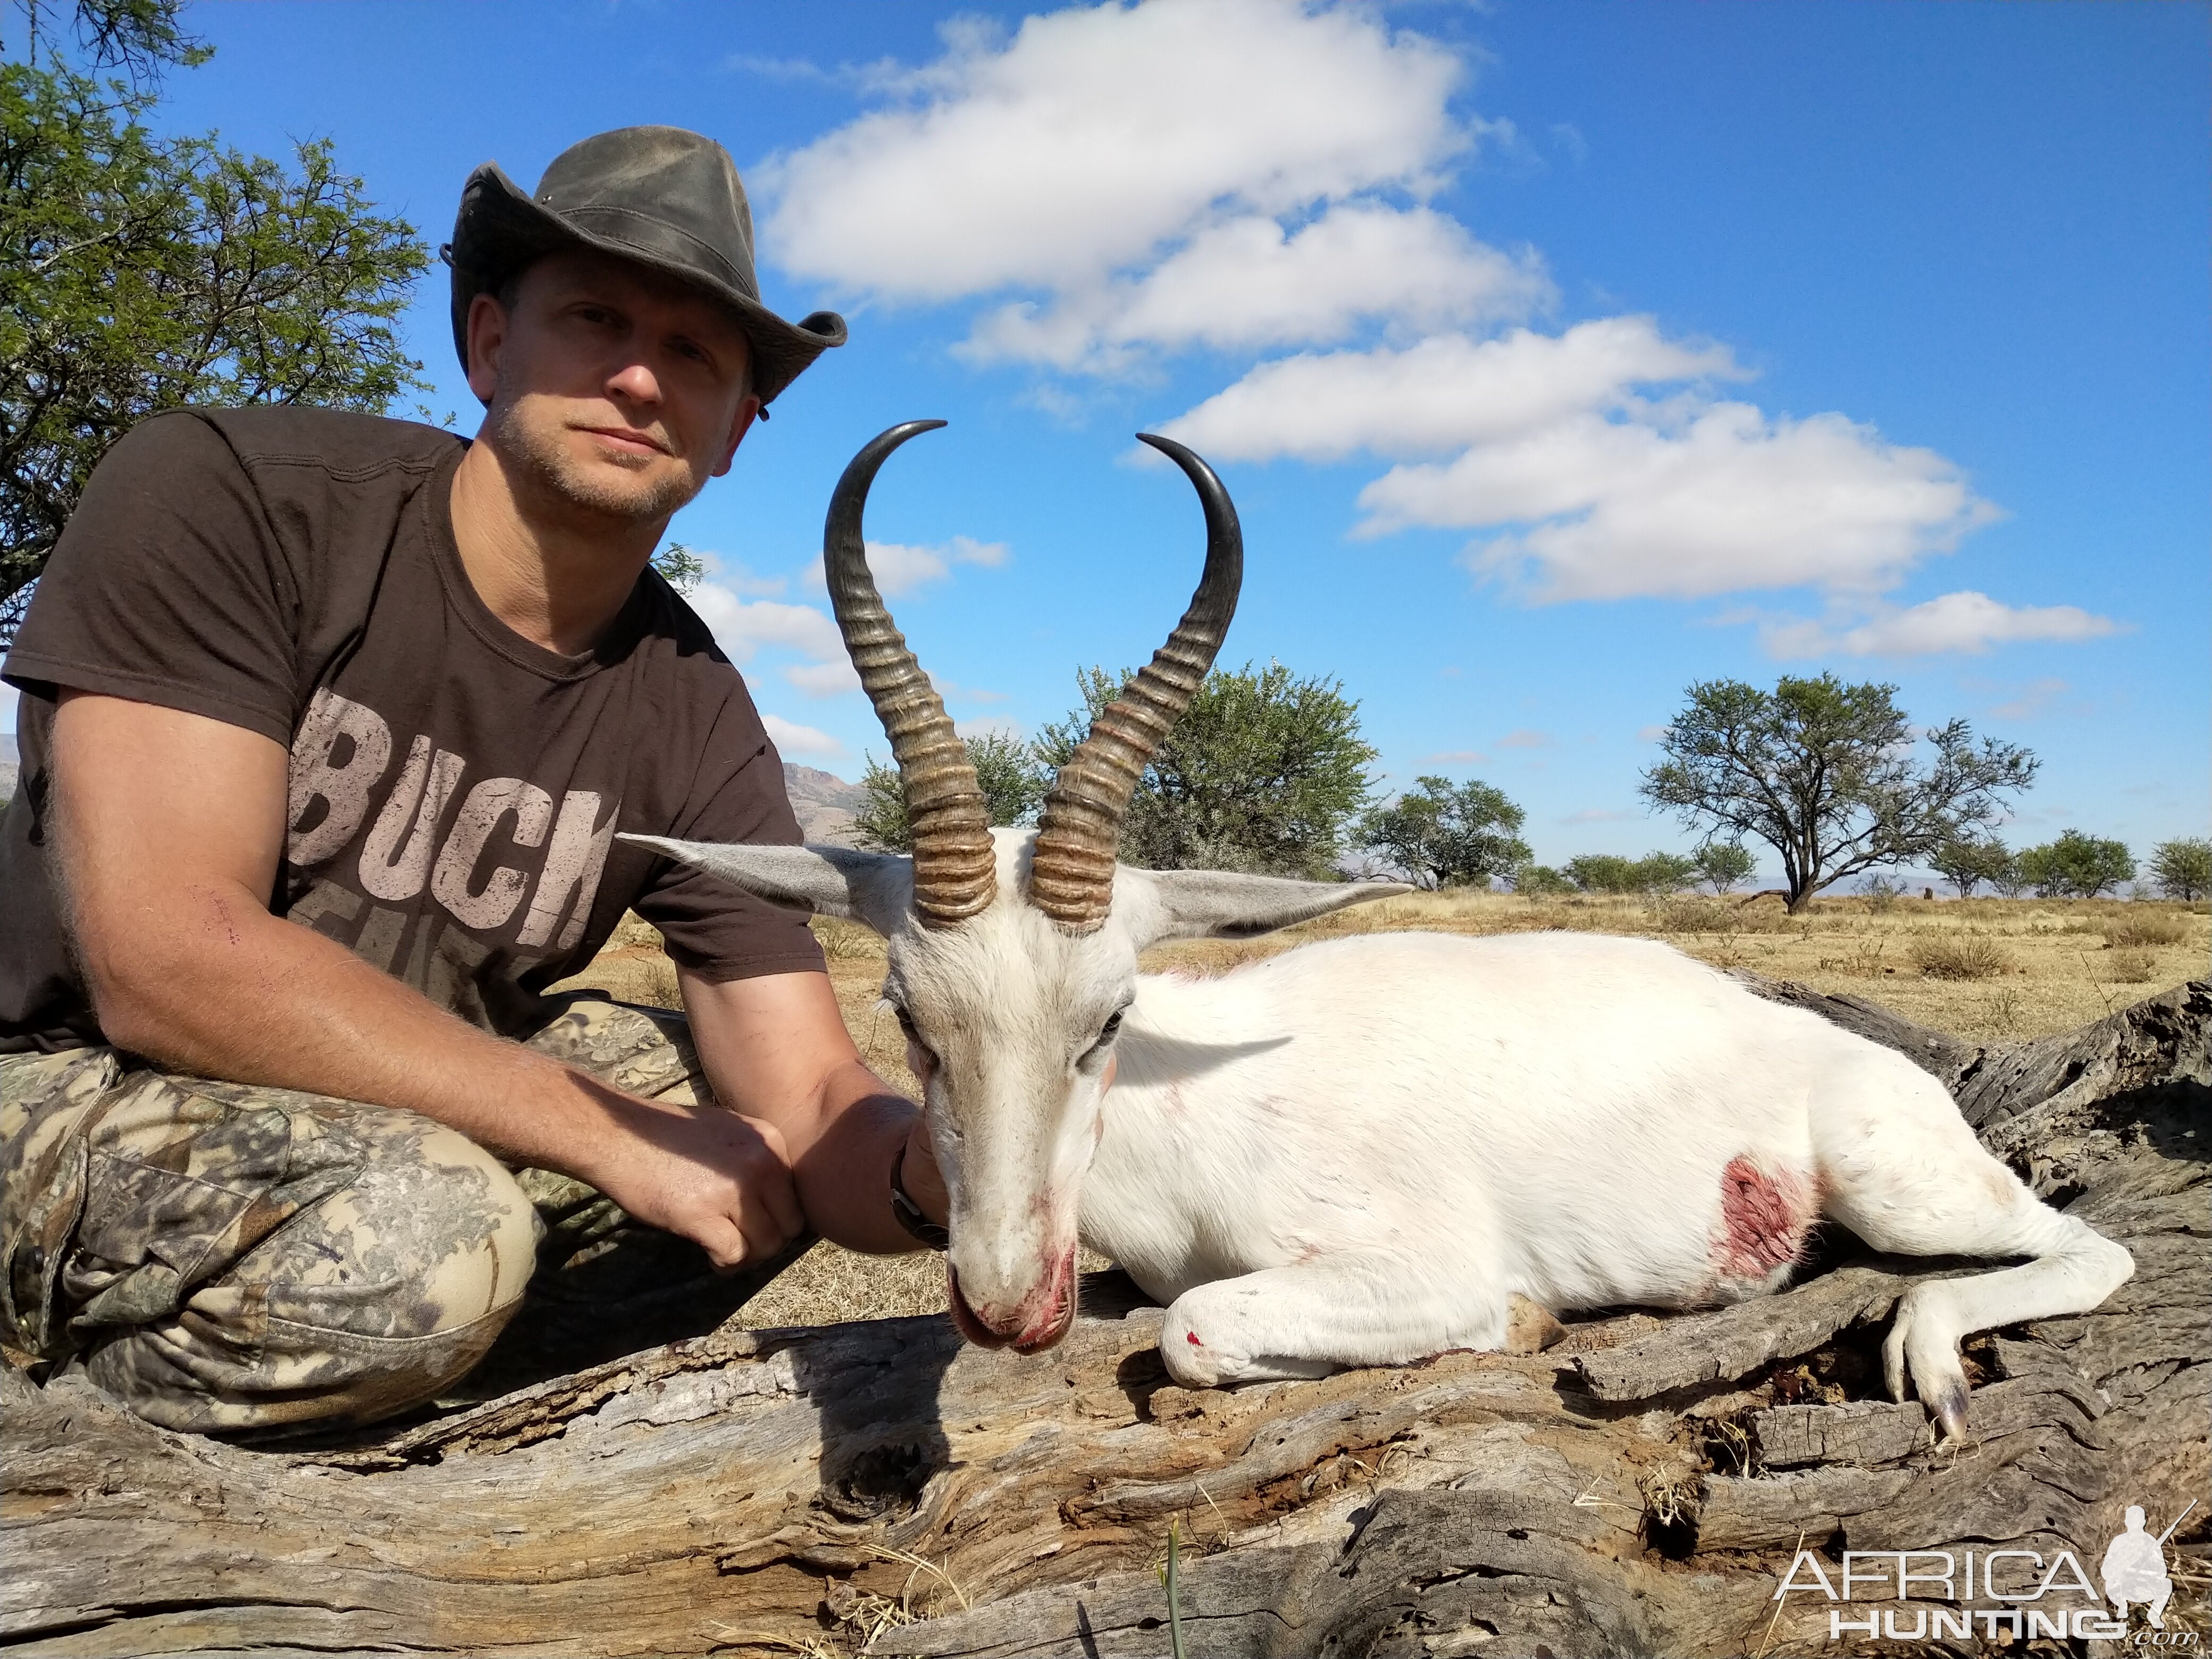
[[909, 1214]]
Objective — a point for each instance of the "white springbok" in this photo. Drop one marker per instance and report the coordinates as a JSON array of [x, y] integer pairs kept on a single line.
[[1354, 1153]]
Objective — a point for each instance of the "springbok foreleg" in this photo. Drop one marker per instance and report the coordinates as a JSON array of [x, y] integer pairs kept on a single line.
[[1325, 1315]]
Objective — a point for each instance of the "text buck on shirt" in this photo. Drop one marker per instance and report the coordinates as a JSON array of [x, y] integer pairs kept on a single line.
[[454, 789]]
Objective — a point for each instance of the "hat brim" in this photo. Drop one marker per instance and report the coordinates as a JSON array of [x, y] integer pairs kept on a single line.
[[501, 229]]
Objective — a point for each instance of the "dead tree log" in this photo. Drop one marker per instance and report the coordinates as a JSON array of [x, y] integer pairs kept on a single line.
[[1636, 1489]]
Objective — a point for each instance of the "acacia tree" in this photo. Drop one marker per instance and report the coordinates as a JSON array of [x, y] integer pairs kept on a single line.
[[1005, 768], [2183, 868], [1264, 772], [1655, 873], [1444, 835], [1724, 865], [1968, 861], [1828, 776], [138, 273], [2076, 866]]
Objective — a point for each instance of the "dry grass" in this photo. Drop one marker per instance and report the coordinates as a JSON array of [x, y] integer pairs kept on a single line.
[[1963, 956], [1989, 969], [2153, 927], [1984, 969]]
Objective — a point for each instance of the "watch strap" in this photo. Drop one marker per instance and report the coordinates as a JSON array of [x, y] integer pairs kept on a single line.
[[909, 1214]]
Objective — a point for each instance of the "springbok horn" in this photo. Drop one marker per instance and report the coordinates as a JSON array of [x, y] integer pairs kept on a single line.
[[1072, 866], [955, 868]]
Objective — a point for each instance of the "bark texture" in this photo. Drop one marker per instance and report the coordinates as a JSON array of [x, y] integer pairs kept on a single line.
[[1636, 1488]]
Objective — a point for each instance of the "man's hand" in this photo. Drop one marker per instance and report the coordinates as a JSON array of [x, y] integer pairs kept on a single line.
[[775, 1048], [717, 1178]]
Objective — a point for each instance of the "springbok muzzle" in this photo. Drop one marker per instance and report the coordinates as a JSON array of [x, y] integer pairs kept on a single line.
[[1038, 1321]]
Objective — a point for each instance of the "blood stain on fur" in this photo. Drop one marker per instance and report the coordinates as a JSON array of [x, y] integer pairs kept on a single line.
[[1763, 1216]]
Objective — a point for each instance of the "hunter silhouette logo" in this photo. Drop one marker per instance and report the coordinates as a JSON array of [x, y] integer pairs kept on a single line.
[[2134, 1568]]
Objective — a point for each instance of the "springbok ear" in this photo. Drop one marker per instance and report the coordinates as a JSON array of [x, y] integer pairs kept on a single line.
[[875, 888], [1214, 904]]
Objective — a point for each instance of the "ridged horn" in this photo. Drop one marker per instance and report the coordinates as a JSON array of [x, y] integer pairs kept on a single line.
[[1072, 866], [955, 868]]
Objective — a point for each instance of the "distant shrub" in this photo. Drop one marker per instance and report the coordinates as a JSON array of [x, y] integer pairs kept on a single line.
[[1725, 865], [1882, 894], [2149, 928], [1960, 956], [2183, 869], [2131, 966], [1697, 916], [1447, 835], [1539, 881], [1968, 862], [1608, 873], [2076, 866]]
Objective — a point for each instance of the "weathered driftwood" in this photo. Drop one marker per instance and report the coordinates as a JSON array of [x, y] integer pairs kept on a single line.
[[1634, 1489]]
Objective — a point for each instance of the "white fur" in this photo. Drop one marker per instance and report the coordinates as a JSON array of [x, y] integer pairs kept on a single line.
[[1354, 1152]]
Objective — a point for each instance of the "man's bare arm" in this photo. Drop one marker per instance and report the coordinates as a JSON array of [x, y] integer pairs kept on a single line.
[[166, 832], [776, 1048]]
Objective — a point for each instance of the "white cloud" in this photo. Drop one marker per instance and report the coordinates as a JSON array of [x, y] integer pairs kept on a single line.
[[2034, 697], [1097, 135], [8, 698], [899, 568], [777, 68], [1599, 815], [1526, 739], [733, 574], [1456, 757], [954, 693], [1445, 394], [1966, 621], [823, 679], [1688, 502], [1248, 283], [743, 628], [792, 738], [986, 725], [1603, 462]]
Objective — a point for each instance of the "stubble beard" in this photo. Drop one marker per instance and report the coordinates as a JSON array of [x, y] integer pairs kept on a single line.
[[544, 459]]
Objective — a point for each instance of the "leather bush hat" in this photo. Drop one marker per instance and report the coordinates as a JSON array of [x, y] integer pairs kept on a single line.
[[663, 196]]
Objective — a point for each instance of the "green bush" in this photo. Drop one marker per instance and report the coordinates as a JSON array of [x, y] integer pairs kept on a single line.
[[2183, 868], [1007, 769], [2076, 866], [1264, 772], [1444, 835]]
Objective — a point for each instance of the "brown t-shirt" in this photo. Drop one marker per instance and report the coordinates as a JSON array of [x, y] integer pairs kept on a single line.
[[455, 789]]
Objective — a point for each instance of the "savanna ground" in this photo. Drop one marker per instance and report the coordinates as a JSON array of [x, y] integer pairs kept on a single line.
[[1988, 970]]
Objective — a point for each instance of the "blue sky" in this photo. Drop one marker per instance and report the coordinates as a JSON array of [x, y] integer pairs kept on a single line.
[[1556, 354]]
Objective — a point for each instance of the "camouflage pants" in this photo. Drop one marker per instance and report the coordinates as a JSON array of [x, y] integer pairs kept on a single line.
[[221, 1256]]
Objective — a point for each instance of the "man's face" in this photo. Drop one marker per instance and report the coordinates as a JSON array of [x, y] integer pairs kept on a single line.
[[618, 389]]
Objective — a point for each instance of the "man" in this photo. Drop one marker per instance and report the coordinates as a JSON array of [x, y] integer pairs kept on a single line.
[[328, 726]]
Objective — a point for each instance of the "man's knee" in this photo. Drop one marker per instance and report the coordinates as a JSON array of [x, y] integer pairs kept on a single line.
[[432, 1236], [371, 1299]]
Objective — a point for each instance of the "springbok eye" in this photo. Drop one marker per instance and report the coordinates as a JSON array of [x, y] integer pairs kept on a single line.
[[1096, 1053]]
